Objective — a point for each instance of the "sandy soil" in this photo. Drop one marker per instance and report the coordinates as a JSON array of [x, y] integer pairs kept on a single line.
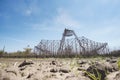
[[58, 69]]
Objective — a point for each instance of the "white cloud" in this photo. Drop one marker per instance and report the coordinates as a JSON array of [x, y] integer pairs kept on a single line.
[[28, 8], [65, 19], [107, 32], [104, 31], [28, 12], [58, 23], [40, 27]]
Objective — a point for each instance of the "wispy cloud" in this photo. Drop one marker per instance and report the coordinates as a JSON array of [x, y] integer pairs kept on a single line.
[[28, 8], [107, 32], [28, 12], [62, 20], [65, 19]]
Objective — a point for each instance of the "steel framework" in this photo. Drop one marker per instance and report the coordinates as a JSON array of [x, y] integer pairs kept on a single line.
[[77, 45]]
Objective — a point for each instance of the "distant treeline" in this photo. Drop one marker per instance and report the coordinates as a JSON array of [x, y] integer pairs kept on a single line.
[[28, 54], [115, 53]]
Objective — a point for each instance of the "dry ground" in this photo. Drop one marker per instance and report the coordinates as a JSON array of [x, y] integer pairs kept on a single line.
[[59, 69]]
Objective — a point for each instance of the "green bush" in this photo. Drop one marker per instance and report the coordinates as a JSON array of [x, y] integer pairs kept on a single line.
[[1, 52]]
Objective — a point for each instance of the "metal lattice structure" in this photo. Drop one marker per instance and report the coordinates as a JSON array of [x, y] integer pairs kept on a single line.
[[77, 45]]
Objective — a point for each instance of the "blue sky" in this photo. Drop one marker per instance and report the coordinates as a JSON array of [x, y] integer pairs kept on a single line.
[[26, 22]]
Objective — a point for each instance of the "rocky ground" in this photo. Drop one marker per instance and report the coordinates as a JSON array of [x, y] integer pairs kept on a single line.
[[60, 69]]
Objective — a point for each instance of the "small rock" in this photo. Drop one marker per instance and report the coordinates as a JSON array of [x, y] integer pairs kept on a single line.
[[117, 77], [113, 61], [108, 60], [53, 63], [83, 67], [29, 76], [79, 69], [25, 63], [115, 67], [22, 68], [113, 76], [7, 78], [82, 62], [64, 70], [53, 70], [108, 67], [61, 74], [10, 70]]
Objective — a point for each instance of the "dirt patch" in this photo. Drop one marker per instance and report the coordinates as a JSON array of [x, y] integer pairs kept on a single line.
[[59, 69]]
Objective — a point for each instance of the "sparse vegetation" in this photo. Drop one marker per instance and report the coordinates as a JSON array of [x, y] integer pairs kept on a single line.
[[1, 52], [93, 76], [118, 62]]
